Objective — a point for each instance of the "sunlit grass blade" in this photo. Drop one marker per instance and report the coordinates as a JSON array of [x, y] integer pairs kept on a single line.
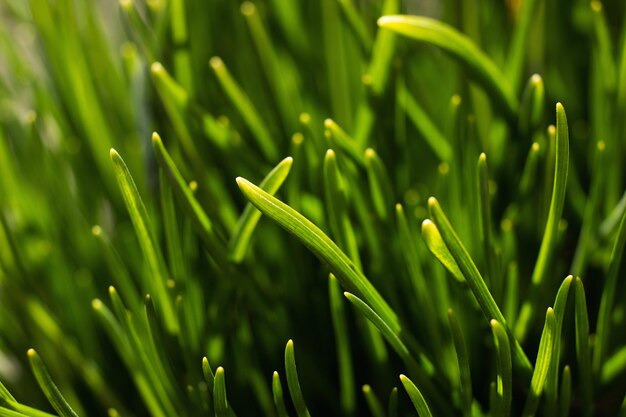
[[382, 52], [582, 345], [48, 386], [505, 377], [548, 242], [325, 249], [474, 279], [485, 217], [247, 110], [277, 394], [147, 242], [518, 47], [416, 397], [203, 224], [603, 325], [373, 403], [344, 356], [240, 240], [293, 382], [356, 23], [462, 355], [438, 248], [380, 184], [461, 48], [393, 403], [542, 365]]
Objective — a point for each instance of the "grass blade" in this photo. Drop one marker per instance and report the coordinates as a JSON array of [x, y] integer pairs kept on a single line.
[[416, 397], [505, 376], [48, 387], [461, 48], [147, 241], [380, 185], [293, 382], [582, 346], [473, 278], [373, 403], [462, 355], [542, 365], [219, 394], [325, 249], [277, 394], [344, 357], [201, 220], [554, 217], [532, 107], [565, 394], [240, 240], [438, 248]]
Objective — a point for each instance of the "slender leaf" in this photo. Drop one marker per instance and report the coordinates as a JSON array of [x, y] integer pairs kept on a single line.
[[48, 386], [293, 382], [416, 397]]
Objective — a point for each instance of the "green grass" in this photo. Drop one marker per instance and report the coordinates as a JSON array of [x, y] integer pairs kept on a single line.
[[432, 177]]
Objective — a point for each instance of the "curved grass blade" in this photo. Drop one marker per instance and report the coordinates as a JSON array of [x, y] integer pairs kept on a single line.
[[603, 326], [344, 357], [382, 52], [48, 387], [554, 217], [203, 224], [462, 355], [437, 247], [373, 403], [322, 246], [473, 278], [505, 374], [582, 346], [293, 382], [240, 240], [416, 397], [380, 185], [277, 393], [247, 110], [147, 241], [461, 48], [542, 365]]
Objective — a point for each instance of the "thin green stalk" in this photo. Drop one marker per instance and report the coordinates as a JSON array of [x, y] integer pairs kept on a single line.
[[582, 347], [277, 394], [48, 386], [373, 403], [293, 382], [416, 397], [505, 377], [462, 355]]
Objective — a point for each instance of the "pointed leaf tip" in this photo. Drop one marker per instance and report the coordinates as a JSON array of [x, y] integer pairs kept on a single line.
[[156, 67]]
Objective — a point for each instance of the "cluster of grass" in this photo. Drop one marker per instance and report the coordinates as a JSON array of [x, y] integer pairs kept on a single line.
[[413, 226]]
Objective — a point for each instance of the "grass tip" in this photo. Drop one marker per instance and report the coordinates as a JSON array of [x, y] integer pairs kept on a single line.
[[552, 129], [330, 153], [126, 4], [370, 153], [403, 378], [536, 79], [216, 62], [559, 107], [96, 230], [297, 138], [219, 370], [482, 157], [156, 138], [386, 20], [247, 8], [601, 145], [156, 68], [96, 304], [329, 123], [31, 352], [456, 100], [305, 118], [596, 6], [113, 153], [535, 147]]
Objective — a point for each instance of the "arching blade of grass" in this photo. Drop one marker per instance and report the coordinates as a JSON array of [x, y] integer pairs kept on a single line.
[[505, 376], [222, 408], [48, 386], [474, 279], [461, 48], [344, 142], [603, 326], [542, 364], [247, 110], [277, 394], [293, 382], [147, 242], [554, 217], [201, 220], [240, 240], [416, 397], [322, 246], [438, 248], [582, 346], [460, 347]]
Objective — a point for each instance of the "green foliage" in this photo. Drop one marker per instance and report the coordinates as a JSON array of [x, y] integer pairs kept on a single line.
[[133, 275]]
